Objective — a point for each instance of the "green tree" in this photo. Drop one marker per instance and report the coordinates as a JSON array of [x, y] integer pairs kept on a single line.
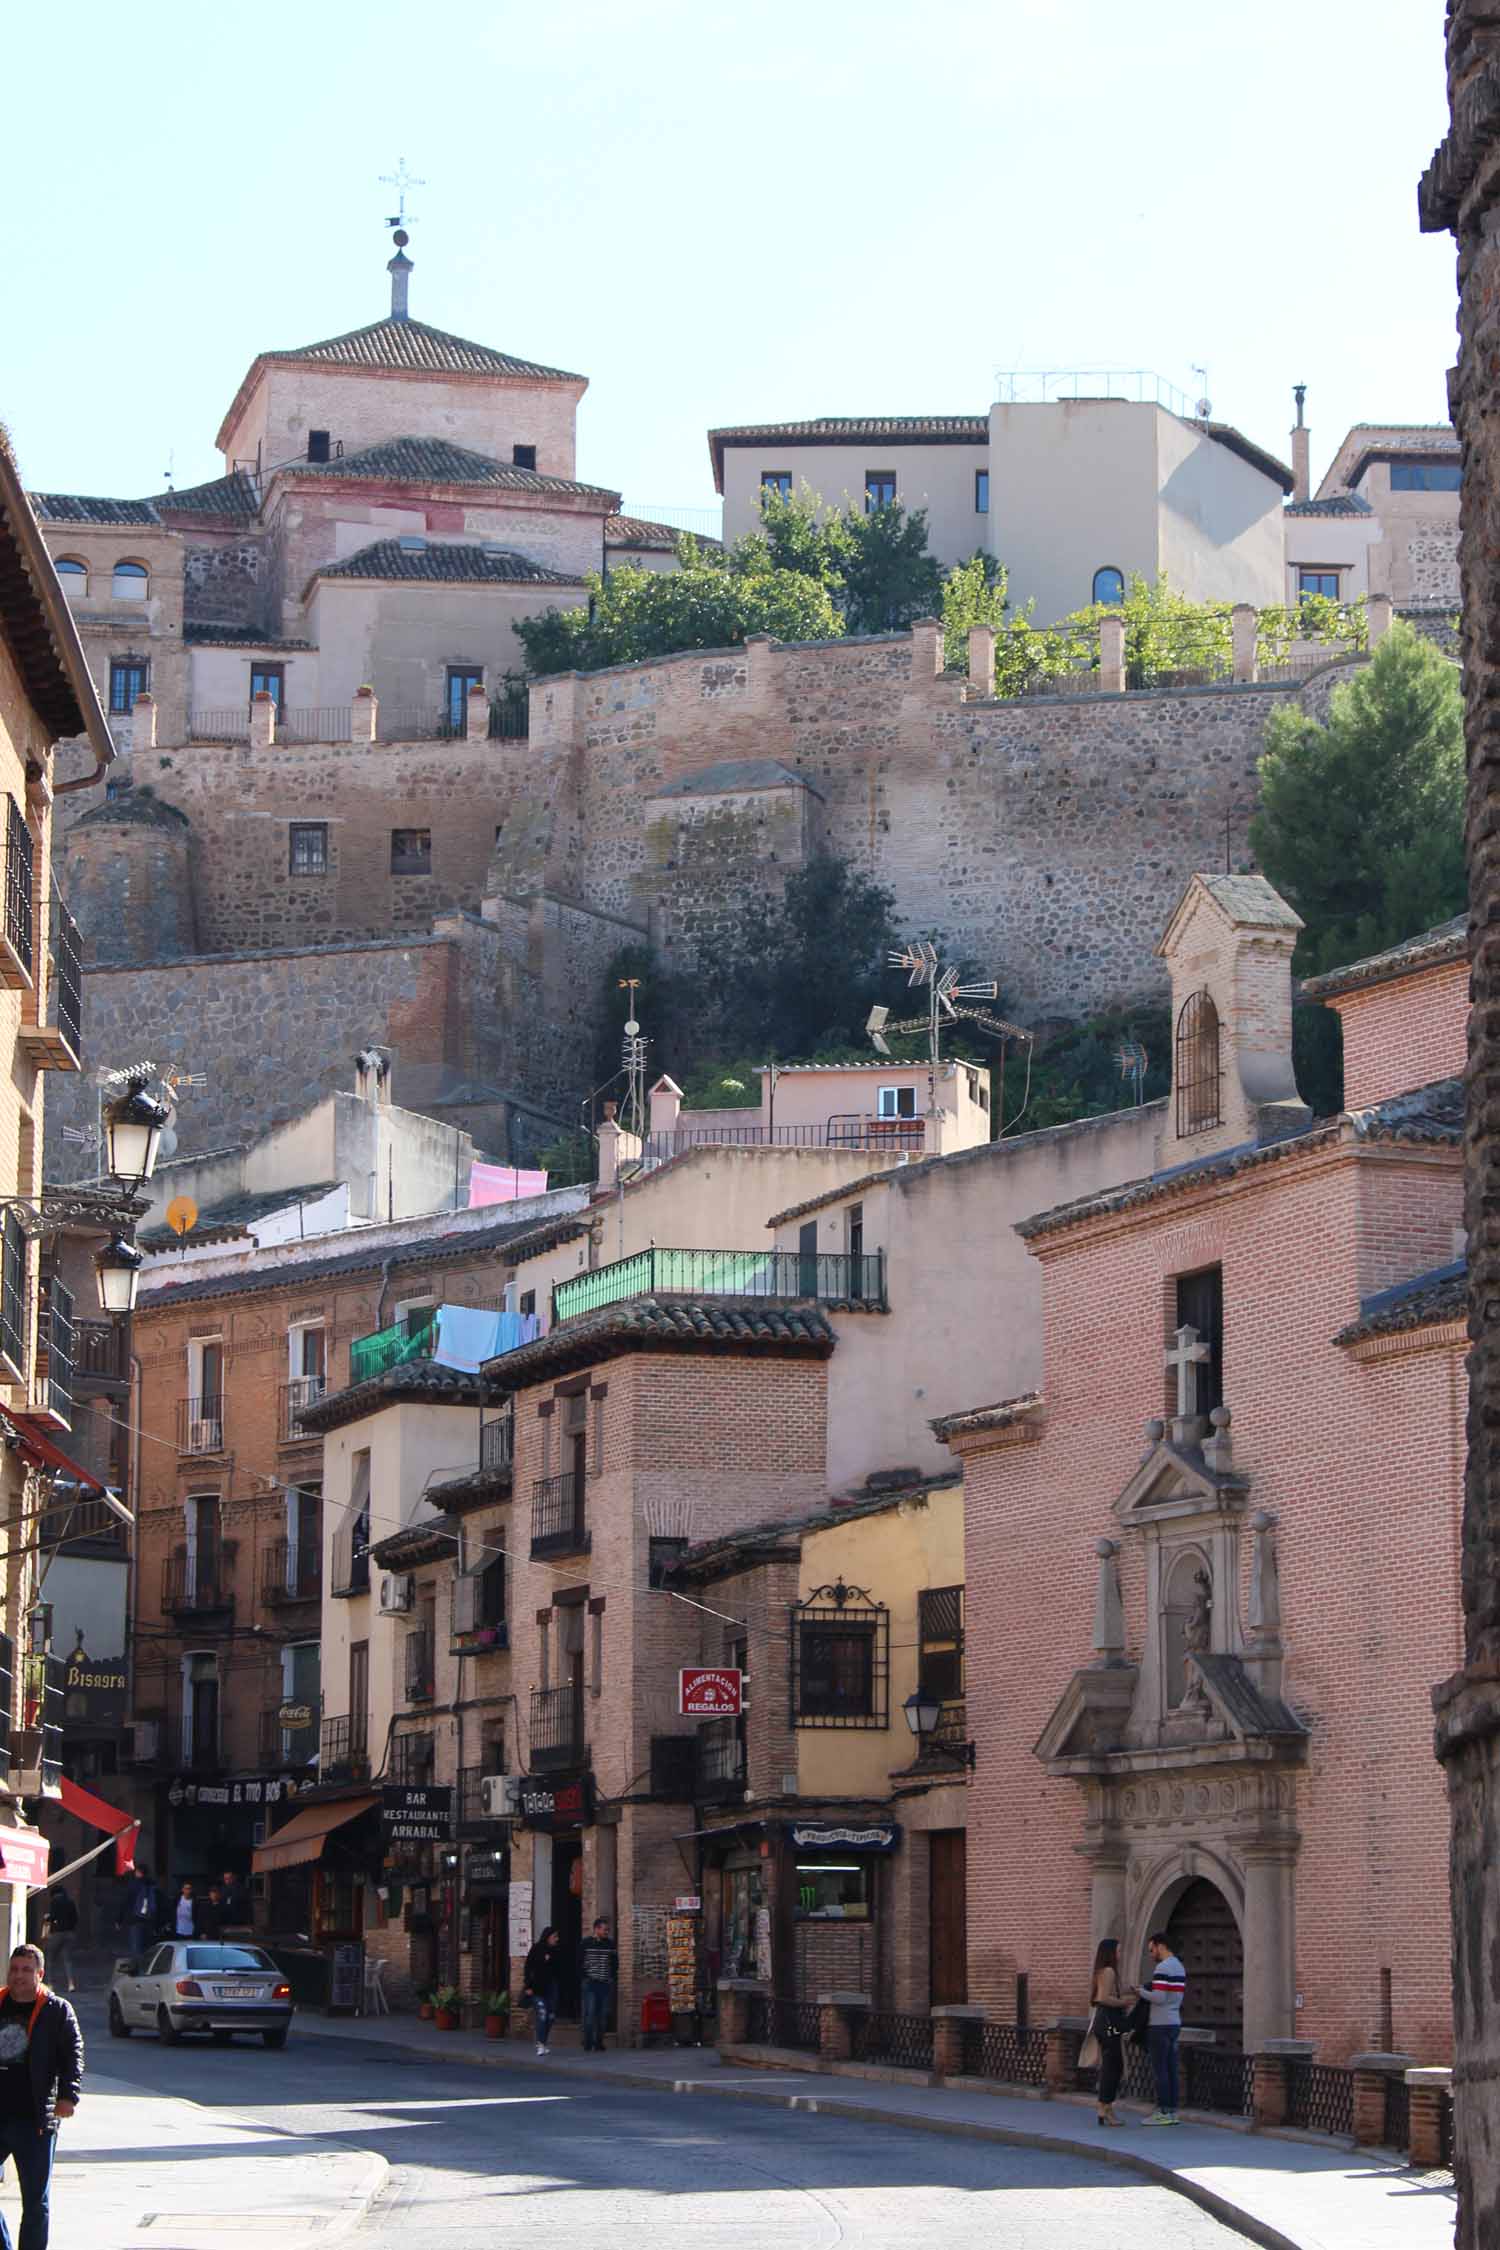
[[805, 975], [635, 615], [1361, 817], [875, 564]]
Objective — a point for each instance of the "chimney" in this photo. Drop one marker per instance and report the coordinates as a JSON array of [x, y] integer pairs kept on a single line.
[[398, 268], [666, 1107], [1301, 471]]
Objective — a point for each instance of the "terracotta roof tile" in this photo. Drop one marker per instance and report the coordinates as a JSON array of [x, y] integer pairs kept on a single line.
[[669, 1324], [451, 563], [1437, 1296], [420, 460], [413, 345], [1448, 942], [1001, 1416], [851, 429]]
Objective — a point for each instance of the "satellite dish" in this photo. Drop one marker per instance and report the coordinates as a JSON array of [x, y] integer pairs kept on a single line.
[[182, 1214], [1205, 408]]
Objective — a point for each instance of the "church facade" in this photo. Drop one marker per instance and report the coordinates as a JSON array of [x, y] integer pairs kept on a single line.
[[1215, 1557]]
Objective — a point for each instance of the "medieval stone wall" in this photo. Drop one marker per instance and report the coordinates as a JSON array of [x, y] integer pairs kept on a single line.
[[223, 585]]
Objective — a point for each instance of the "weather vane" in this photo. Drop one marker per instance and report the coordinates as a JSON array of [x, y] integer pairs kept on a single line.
[[401, 180]]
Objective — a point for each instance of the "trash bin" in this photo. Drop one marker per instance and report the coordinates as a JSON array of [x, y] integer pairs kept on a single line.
[[656, 2016]]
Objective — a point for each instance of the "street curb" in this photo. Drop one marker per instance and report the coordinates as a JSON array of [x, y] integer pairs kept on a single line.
[[868, 2113], [360, 2206]]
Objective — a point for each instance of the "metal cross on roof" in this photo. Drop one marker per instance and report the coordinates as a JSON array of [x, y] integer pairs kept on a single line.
[[401, 180]]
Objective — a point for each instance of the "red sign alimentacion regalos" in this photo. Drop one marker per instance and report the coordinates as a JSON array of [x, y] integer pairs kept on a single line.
[[706, 1691]]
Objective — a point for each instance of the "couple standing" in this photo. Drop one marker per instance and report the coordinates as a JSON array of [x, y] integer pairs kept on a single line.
[[598, 1972], [1157, 2011]]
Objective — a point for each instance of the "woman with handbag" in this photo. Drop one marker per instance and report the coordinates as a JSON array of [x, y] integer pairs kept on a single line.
[[1105, 2041]]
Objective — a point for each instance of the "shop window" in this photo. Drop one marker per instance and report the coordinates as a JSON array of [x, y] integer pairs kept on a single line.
[[840, 1659], [834, 1890]]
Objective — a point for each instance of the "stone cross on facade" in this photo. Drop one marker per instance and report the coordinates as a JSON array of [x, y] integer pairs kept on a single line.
[[1186, 1357]]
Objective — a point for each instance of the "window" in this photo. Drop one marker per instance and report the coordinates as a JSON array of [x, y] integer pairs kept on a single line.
[[523, 456], [129, 676], [268, 679], [359, 1698], [1109, 585], [855, 1226], [307, 847], [74, 576], [414, 1314], [528, 1302], [1200, 1306], [896, 1101], [13, 1292], [1318, 582], [777, 481], [833, 1890], [940, 1642], [131, 582], [880, 489], [200, 1711], [1195, 1065], [411, 851], [318, 445], [663, 1557], [461, 677], [840, 1659], [981, 492], [1425, 476]]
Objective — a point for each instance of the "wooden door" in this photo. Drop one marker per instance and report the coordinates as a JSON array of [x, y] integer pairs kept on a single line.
[[1205, 1937], [948, 1917]]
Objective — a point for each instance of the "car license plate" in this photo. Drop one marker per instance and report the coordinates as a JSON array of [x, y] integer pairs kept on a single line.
[[239, 1992]]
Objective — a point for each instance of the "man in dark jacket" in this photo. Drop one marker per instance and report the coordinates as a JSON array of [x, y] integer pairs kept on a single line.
[[598, 1969], [41, 2078], [140, 1911]]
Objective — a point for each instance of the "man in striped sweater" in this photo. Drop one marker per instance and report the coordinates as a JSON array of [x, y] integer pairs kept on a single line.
[[1164, 1991]]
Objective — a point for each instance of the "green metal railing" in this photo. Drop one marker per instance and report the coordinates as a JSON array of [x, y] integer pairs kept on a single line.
[[409, 1339], [834, 1278]]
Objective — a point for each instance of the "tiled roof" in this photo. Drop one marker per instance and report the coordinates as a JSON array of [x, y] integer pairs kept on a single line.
[[434, 1540], [1235, 441], [204, 633], [160, 1290], [78, 507], [732, 775], [413, 345], [1248, 898], [420, 1379], [235, 1215], [669, 1324], [223, 496], [1448, 942], [438, 560], [234, 495], [1439, 1295], [459, 1494], [135, 808], [707, 1556], [419, 460], [998, 1417], [1336, 504], [1429, 1116], [851, 429], [637, 531]]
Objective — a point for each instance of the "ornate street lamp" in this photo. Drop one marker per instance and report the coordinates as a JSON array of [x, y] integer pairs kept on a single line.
[[924, 1715], [133, 1125], [118, 1267]]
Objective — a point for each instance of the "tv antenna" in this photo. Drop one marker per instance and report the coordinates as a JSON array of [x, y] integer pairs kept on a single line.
[[633, 1062], [948, 1001], [401, 180], [1130, 1060]]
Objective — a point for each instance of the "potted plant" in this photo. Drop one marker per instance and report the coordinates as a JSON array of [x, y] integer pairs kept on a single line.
[[424, 2007], [445, 2003], [496, 2014]]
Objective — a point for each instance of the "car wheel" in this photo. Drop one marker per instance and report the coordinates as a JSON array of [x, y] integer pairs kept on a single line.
[[274, 2038], [166, 2030], [222, 2038], [119, 2028]]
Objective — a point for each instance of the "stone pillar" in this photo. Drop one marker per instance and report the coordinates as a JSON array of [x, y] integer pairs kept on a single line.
[[836, 2015], [1270, 1945], [1112, 655], [735, 1994], [262, 719], [1379, 611], [143, 723], [926, 650], [364, 715], [1243, 621], [477, 715], [1371, 2073], [1107, 1915], [1301, 460], [554, 708], [948, 2038], [1428, 2090], [982, 659], [1064, 2038]]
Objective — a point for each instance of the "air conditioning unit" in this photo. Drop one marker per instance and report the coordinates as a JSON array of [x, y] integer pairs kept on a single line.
[[500, 1794], [397, 1592], [142, 1742]]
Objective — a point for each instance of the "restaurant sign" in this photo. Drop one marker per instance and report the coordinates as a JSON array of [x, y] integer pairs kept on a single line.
[[863, 1836], [550, 1805], [417, 1815], [93, 1690]]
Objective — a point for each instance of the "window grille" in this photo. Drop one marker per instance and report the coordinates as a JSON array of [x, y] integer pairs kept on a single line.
[[308, 847], [940, 1632], [18, 865], [13, 1292], [840, 1659], [1196, 1066]]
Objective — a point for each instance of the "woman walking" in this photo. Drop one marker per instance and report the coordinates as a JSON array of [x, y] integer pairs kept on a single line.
[[1106, 2034], [539, 1984]]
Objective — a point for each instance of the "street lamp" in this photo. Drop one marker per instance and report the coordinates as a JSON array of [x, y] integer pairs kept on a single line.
[[924, 1715], [118, 1266], [133, 1125]]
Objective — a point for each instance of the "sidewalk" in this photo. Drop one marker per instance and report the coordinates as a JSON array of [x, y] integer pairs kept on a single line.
[[1286, 2191], [142, 2171]]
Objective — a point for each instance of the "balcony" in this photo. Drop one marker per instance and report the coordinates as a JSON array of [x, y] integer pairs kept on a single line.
[[351, 1557], [557, 1516], [413, 1759], [199, 1585], [55, 1040], [848, 1129], [418, 1337], [556, 1729], [17, 958], [497, 1443], [473, 1820], [76, 1523], [719, 1766], [55, 1350], [477, 1621], [831, 1279], [343, 1749], [302, 1391], [200, 1425], [280, 1746], [291, 1571], [99, 1351], [418, 1668]]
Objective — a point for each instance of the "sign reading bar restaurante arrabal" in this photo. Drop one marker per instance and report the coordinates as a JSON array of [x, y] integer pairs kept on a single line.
[[417, 1815]]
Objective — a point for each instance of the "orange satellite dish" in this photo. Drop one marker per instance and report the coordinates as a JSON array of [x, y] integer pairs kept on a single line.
[[182, 1214]]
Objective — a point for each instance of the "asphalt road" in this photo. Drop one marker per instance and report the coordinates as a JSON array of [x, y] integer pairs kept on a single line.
[[480, 2157]]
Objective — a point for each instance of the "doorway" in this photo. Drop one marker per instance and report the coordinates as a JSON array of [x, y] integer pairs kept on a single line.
[[567, 1918], [1204, 1935], [947, 1912]]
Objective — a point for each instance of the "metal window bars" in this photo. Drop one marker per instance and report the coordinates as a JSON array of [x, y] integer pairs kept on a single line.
[[13, 1292], [413, 1757], [419, 1668], [291, 1571], [558, 1521], [19, 854], [497, 1442], [840, 1644], [556, 1727], [302, 1391], [1195, 1065], [57, 1332], [200, 1424]]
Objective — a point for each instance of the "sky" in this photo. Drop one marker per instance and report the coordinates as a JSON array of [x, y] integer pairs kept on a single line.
[[803, 207]]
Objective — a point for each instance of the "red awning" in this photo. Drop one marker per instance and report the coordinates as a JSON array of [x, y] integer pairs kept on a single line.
[[40, 1452], [85, 1806], [23, 1857]]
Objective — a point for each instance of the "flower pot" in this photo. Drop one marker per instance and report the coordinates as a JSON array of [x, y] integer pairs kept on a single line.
[[446, 2019], [494, 2027], [425, 2011]]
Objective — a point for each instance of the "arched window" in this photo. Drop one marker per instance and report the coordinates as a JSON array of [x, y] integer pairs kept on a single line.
[[1195, 1065], [130, 582], [74, 576], [1109, 585]]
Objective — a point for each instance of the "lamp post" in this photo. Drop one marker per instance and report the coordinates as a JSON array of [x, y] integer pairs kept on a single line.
[[924, 1714], [118, 1268], [133, 1125]]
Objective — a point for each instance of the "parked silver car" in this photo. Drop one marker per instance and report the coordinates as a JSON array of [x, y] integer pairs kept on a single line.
[[193, 1985]]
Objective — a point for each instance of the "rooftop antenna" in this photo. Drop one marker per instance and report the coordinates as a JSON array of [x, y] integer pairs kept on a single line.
[[1130, 1060], [171, 469], [633, 1062], [1205, 405], [948, 1001]]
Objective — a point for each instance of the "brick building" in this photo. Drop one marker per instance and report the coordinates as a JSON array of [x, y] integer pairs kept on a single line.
[[1216, 1720]]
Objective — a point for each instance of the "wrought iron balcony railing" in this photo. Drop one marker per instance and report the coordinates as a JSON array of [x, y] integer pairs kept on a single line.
[[301, 1391], [719, 1768], [413, 1757], [497, 1442], [852, 1129], [200, 1425], [419, 1670], [556, 1728], [558, 1521], [280, 1746], [291, 1571], [343, 1748], [55, 1039], [829, 1279], [99, 1351], [199, 1584], [18, 966], [55, 1335]]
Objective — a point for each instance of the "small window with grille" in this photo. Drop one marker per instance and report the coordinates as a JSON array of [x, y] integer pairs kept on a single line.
[[13, 1293], [840, 1659], [1195, 1066], [307, 852]]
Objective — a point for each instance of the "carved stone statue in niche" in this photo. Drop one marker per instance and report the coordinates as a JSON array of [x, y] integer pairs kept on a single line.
[[1196, 1636], [1187, 1618]]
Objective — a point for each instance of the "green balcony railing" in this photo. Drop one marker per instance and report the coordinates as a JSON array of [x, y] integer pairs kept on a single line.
[[409, 1339], [830, 1279]]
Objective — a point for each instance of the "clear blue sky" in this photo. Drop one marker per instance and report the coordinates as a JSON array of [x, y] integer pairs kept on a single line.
[[828, 207]]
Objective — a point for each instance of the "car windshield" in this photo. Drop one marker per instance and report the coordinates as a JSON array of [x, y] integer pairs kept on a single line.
[[226, 1957]]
